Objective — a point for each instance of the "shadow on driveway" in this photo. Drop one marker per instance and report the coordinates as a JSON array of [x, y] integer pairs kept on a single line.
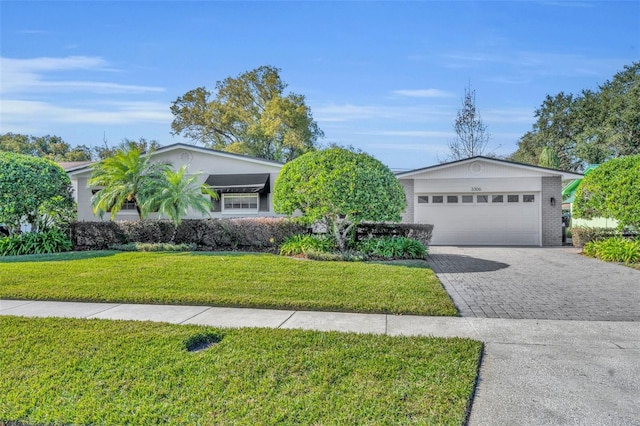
[[456, 263]]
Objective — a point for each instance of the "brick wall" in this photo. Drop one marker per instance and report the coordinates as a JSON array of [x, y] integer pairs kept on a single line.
[[407, 216], [551, 215]]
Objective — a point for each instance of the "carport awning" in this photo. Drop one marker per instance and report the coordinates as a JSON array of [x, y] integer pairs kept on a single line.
[[240, 183]]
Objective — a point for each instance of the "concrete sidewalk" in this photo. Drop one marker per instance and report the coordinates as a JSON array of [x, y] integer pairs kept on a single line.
[[534, 372]]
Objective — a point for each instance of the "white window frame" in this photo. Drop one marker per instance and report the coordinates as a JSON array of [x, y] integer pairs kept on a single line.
[[241, 210]]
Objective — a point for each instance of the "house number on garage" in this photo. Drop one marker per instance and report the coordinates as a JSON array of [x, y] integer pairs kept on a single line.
[[476, 189]]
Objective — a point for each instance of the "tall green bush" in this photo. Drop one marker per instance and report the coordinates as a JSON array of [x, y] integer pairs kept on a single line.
[[34, 191], [612, 190], [339, 188]]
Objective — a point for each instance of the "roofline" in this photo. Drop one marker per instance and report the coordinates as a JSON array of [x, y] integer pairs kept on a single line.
[[564, 174], [181, 145]]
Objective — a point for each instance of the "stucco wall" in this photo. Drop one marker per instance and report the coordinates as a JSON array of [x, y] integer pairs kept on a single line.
[[407, 216], [551, 214]]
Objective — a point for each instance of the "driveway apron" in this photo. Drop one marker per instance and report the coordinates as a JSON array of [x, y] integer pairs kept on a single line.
[[536, 283]]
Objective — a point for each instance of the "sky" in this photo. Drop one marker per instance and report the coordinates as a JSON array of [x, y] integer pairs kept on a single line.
[[384, 77]]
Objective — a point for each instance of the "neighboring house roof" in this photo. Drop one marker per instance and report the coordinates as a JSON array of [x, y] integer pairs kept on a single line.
[[551, 172], [193, 148], [569, 191], [72, 165]]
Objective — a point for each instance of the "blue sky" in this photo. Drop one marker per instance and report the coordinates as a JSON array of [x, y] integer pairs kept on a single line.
[[385, 77]]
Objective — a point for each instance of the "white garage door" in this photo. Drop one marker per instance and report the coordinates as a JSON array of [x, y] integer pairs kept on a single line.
[[481, 219]]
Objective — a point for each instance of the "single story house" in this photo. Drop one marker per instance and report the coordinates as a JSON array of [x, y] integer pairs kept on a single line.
[[244, 184], [486, 201]]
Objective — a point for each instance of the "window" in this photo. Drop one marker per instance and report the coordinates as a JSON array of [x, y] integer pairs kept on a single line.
[[423, 199], [467, 198], [244, 203], [437, 199], [482, 198], [528, 198], [513, 198], [497, 198], [127, 205], [452, 198]]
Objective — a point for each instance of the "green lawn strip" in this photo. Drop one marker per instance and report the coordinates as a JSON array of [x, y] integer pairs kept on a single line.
[[73, 371], [227, 279]]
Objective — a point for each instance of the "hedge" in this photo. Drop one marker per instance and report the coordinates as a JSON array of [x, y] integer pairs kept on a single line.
[[246, 234], [581, 235]]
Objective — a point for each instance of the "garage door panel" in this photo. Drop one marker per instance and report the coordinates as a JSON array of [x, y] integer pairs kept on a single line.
[[482, 223]]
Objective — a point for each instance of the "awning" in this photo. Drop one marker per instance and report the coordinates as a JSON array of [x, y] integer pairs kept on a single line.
[[258, 182]]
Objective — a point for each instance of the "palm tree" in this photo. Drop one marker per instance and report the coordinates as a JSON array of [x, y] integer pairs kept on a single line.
[[176, 194], [127, 176]]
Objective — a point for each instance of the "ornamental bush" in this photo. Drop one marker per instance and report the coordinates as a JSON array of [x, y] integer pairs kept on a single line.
[[340, 189], [616, 249], [34, 191], [612, 190]]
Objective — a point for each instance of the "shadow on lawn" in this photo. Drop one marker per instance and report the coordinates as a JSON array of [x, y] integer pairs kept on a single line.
[[57, 257]]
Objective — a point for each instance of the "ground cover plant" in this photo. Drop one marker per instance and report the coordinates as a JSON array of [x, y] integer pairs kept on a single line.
[[225, 279], [72, 371], [616, 249]]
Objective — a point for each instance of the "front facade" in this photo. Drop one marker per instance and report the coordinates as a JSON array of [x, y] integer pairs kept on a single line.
[[485, 201], [244, 184]]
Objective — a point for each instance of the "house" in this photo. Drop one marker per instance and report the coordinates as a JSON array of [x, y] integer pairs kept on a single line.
[[486, 201], [569, 195], [244, 184]]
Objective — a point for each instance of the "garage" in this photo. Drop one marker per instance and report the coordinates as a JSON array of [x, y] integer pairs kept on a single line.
[[481, 218], [486, 201]]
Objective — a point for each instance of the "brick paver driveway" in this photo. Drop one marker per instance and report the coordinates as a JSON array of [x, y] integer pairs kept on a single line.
[[537, 283]]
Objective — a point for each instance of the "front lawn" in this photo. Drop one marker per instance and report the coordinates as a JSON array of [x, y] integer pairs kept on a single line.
[[226, 279], [72, 371]]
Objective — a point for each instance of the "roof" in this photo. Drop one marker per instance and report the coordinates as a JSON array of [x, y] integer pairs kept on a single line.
[[566, 175], [72, 165], [189, 147]]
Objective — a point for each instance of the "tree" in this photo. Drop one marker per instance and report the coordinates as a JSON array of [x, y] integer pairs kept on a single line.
[[472, 136], [339, 188], [176, 194], [127, 176], [143, 145], [249, 115], [50, 147], [33, 191], [556, 128], [612, 190], [549, 158], [589, 128]]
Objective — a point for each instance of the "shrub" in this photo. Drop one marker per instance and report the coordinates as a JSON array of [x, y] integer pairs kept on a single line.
[[393, 248], [581, 235], [303, 244], [419, 232], [149, 247], [250, 234], [51, 241], [616, 249]]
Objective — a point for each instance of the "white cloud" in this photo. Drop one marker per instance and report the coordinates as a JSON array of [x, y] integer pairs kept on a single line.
[[33, 76], [20, 112], [348, 112], [424, 93], [411, 133]]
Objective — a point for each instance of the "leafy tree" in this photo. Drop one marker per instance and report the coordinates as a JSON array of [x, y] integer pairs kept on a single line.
[[472, 136], [549, 158], [250, 115], [177, 193], [589, 128], [339, 188], [50, 147], [33, 191], [143, 145], [555, 128], [127, 176], [611, 190]]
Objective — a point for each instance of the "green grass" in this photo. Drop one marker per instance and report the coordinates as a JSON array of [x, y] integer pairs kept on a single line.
[[227, 279], [72, 371]]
